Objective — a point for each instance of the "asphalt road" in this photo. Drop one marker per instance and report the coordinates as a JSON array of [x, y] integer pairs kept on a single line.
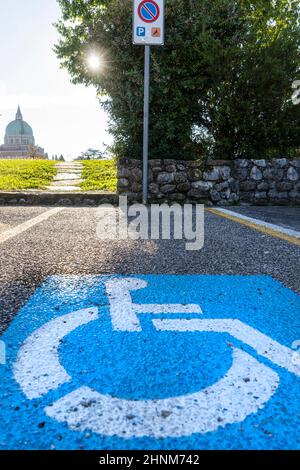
[[288, 217], [66, 244]]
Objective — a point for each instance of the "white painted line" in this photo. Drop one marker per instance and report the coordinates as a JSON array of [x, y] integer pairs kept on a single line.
[[277, 228], [123, 310], [4, 227], [37, 369], [13, 232], [265, 346], [230, 400]]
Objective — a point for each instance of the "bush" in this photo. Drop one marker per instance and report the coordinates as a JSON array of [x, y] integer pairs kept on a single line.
[[26, 174], [99, 175], [221, 86]]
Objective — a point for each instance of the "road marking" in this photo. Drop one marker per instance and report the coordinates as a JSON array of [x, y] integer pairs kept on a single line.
[[124, 312], [13, 232], [196, 358], [230, 400], [4, 227], [37, 368], [264, 345], [291, 236]]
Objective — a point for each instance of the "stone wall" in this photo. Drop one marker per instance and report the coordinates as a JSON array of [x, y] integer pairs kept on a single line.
[[221, 182], [264, 181]]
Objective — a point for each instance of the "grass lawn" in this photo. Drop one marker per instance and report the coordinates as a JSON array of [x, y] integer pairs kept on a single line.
[[99, 175], [26, 174]]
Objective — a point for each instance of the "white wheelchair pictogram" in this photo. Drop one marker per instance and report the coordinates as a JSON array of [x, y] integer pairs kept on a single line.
[[230, 400]]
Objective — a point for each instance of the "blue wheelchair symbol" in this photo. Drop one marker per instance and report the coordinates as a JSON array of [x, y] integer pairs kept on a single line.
[[141, 31]]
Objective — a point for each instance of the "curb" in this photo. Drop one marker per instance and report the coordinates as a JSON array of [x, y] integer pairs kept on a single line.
[[49, 198], [95, 198]]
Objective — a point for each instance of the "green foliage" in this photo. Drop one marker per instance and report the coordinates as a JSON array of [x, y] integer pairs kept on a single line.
[[221, 85], [99, 175], [26, 174], [91, 154]]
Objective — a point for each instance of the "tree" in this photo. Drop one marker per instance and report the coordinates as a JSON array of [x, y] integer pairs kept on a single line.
[[33, 153], [91, 154], [220, 86], [61, 158]]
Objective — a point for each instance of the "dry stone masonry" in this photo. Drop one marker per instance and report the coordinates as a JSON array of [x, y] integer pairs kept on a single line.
[[221, 182], [274, 181]]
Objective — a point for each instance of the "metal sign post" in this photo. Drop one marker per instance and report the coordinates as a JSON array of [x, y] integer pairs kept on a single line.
[[146, 123], [148, 30]]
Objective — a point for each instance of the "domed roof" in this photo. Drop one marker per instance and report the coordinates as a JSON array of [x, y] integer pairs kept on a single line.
[[18, 127]]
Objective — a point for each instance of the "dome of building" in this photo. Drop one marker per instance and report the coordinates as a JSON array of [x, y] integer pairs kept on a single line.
[[19, 141], [19, 127]]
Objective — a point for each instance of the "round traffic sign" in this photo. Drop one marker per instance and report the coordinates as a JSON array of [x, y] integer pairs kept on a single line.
[[148, 11]]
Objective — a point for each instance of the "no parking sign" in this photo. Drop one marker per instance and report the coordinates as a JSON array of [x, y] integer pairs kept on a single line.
[[148, 22], [153, 362], [148, 30]]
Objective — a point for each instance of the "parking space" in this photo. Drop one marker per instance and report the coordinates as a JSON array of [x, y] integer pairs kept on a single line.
[[125, 344]]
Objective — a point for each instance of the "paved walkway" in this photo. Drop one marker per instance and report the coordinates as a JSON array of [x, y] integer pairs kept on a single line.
[[68, 177]]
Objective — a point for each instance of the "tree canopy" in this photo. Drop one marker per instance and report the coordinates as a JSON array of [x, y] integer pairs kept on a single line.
[[92, 154], [221, 85]]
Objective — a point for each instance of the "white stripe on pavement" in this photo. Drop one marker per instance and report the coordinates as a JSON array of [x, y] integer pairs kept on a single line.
[[265, 346], [13, 232], [37, 368], [278, 228], [4, 227], [228, 401]]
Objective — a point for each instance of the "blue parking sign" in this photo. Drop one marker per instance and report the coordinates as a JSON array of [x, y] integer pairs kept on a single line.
[[153, 362], [141, 31]]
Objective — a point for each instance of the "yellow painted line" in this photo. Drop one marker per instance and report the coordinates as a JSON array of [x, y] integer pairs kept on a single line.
[[259, 228]]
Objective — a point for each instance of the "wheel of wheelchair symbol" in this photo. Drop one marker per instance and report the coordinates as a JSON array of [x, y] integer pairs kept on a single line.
[[230, 400]]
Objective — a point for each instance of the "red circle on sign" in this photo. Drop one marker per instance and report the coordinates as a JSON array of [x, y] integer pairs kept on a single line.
[[144, 5]]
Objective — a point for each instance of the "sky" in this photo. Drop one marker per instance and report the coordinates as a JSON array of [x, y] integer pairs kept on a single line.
[[66, 119]]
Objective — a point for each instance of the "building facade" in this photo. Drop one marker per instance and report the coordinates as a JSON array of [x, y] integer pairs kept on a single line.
[[19, 140]]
